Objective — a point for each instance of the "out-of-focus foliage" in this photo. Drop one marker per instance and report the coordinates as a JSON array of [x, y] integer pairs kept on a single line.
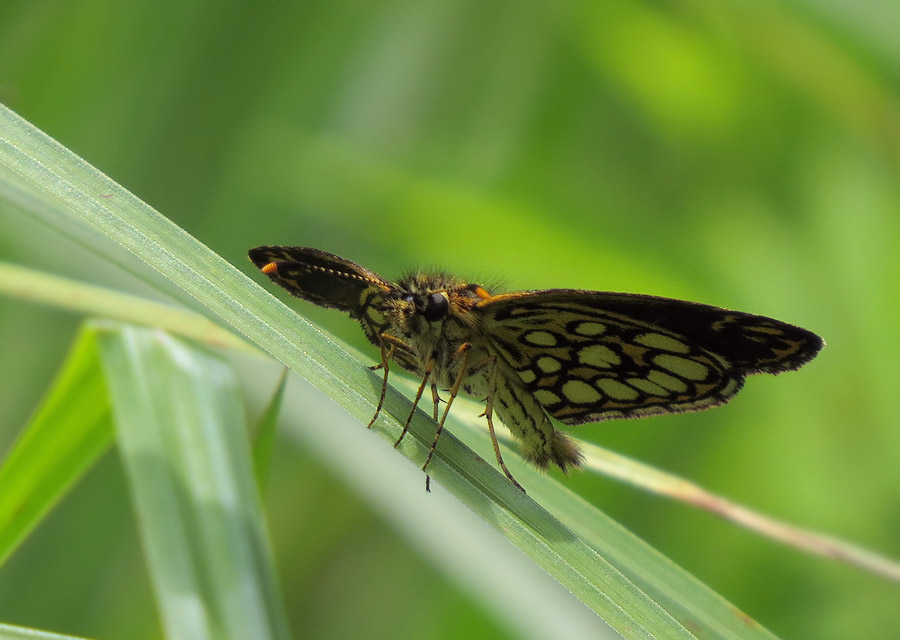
[[741, 154]]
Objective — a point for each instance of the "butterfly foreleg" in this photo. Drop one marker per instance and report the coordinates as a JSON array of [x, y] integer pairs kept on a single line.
[[386, 355]]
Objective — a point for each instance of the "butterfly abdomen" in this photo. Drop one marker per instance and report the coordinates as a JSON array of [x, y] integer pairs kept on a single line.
[[523, 415]]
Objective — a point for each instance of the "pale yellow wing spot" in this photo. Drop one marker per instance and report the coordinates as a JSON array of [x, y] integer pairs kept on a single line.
[[661, 342], [547, 398], [375, 316], [599, 355], [590, 329], [772, 331], [690, 369], [667, 382], [615, 389], [541, 338], [648, 387], [548, 364], [580, 392]]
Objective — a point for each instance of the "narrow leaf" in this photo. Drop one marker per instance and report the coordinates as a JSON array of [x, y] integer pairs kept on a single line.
[[182, 436], [64, 438], [265, 434], [10, 632]]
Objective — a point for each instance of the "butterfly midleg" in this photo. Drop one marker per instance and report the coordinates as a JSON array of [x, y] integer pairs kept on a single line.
[[489, 413], [463, 351], [385, 359], [436, 399], [429, 367]]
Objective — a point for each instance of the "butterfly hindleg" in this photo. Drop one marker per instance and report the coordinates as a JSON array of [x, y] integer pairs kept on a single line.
[[489, 414]]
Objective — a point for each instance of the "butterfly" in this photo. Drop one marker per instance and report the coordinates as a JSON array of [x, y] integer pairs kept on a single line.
[[573, 355]]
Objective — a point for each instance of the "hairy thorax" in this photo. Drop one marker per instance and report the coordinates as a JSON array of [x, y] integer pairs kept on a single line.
[[402, 315]]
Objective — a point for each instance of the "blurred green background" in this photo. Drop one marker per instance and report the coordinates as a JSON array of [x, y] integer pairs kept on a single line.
[[739, 154]]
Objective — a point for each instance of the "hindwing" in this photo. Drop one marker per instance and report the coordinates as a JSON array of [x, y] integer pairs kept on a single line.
[[588, 356]]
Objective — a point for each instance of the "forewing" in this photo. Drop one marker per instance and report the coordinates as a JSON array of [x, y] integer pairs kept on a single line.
[[320, 277], [589, 356]]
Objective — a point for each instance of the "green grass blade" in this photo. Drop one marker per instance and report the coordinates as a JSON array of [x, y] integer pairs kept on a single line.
[[9, 632], [65, 293], [44, 178], [265, 434], [182, 436], [64, 438]]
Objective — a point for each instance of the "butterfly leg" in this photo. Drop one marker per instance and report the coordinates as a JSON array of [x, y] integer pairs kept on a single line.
[[429, 367], [436, 399], [463, 351], [489, 413], [386, 355]]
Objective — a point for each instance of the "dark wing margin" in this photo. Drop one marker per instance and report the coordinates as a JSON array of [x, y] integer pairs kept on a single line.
[[590, 356], [752, 343], [318, 276]]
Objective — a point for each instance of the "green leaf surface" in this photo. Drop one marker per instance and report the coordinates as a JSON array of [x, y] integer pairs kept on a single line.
[[64, 293], [183, 440], [10, 632], [67, 434], [265, 434]]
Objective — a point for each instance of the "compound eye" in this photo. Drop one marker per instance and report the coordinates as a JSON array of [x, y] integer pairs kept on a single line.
[[436, 307]]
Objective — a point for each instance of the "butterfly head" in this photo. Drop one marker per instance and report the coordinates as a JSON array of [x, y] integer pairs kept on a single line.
[[431, 307], [420, 304]]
